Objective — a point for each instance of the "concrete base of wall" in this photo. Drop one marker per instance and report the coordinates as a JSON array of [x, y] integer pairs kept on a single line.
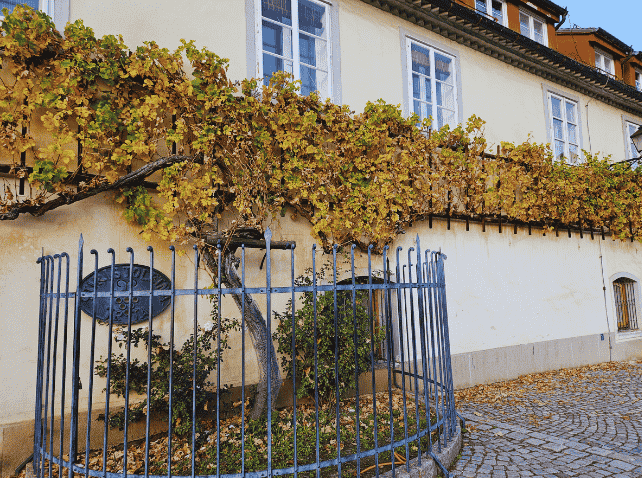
[[506, 363]]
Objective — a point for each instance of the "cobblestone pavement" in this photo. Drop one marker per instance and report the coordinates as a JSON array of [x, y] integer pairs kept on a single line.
[[572, 423]]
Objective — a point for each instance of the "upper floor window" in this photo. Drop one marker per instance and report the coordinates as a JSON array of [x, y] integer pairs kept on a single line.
[[638, 80], [432, 84], [295, 38], [631, 150], [35, 4], [564, 128], [604, 62], [491, 8], [532, 27]]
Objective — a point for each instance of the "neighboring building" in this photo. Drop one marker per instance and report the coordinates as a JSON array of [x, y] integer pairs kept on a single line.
[[612, 58], [518, 301]]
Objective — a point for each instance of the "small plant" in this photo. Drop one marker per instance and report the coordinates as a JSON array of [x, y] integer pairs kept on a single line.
[[182, 363], [347, 316]]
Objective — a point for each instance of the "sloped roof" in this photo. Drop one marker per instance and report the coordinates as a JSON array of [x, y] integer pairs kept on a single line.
[[600, 33]]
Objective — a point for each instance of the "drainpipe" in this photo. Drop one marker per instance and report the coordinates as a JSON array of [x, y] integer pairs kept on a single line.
[[557, 27], [606, 309]]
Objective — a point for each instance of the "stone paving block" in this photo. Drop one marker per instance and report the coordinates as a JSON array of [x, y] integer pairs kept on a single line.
[[584, 434], [622, 465], [553, 446]]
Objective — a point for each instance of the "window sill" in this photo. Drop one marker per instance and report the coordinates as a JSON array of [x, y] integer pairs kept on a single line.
[[626, 335]]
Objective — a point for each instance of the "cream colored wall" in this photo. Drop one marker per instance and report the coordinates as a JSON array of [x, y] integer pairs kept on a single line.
[[218, 25], [508, 289]]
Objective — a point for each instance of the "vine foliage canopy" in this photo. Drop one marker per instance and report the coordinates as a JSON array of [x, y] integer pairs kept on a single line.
[[93, 116]]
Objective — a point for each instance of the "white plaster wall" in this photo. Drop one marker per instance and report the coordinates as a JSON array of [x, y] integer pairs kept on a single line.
[[508, 289]]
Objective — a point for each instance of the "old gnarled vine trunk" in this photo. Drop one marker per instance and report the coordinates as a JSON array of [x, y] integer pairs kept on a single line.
[[256, 324]]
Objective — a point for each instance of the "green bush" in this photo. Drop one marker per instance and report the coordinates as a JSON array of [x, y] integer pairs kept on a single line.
[[182, 376], [326, 342]]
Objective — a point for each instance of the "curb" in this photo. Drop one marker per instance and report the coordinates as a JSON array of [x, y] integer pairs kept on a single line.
[[429, 468]]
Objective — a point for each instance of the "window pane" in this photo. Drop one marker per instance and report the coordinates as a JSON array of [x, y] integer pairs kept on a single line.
[[481, 5], [598, 60], [427, 91], [638, 80], [443, 68], [570, 112], [524, 24], [445, 117], [272, 64], [312, 18], [498, 11], [9, 4], [422, 109], [277, 10], [608, 65], [313, 80], [574, 153], [557, 107], [420, 59], [277, 39], [538, 28], [572, 135], [558, 129], [313, 51], [559, 149], [416, 88], [445, 96]]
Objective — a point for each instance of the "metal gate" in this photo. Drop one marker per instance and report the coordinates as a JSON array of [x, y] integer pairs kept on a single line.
[[372, 350]]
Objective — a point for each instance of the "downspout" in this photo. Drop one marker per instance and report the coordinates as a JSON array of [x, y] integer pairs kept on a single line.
[[606, 309], [557, 27]]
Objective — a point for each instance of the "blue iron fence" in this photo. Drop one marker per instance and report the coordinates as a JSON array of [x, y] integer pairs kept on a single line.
[[367, 384]]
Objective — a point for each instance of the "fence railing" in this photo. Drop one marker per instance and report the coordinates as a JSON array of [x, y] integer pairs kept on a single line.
[[137, 377]]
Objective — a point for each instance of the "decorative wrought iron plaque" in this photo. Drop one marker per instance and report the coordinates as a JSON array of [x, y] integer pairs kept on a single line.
[[140, 305]]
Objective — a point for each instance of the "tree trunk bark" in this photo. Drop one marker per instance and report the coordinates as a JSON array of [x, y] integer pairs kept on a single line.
[[256, 324]]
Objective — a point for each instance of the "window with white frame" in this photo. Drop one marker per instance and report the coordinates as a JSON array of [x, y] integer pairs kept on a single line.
[[564, 128], [638, 80], [532, 27], [295, 38], [494, 9], [631, 150], [431, 84], [604, 62]]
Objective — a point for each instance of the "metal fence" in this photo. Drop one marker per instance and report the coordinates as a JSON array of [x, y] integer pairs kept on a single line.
[[368, 392]]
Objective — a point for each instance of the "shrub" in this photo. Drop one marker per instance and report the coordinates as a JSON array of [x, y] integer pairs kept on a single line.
[[326, 341], [182, 375]]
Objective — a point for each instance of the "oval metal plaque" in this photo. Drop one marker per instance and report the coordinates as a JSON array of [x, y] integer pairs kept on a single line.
[[140, 305]]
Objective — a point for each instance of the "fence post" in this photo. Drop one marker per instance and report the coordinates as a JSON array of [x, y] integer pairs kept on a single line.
[[75, 370]]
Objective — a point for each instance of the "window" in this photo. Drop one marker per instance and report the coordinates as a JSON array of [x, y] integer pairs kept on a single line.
[[604, 62], [638, 80], [624, 292], [295, 38], [431, 82], [631, 151], [564, 132], [491, 8], [44, 5], [532, 27]]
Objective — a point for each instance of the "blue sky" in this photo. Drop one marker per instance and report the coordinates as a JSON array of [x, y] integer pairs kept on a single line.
[[621, 18]]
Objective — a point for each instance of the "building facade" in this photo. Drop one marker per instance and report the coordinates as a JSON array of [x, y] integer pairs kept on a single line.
[[519, 300]]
